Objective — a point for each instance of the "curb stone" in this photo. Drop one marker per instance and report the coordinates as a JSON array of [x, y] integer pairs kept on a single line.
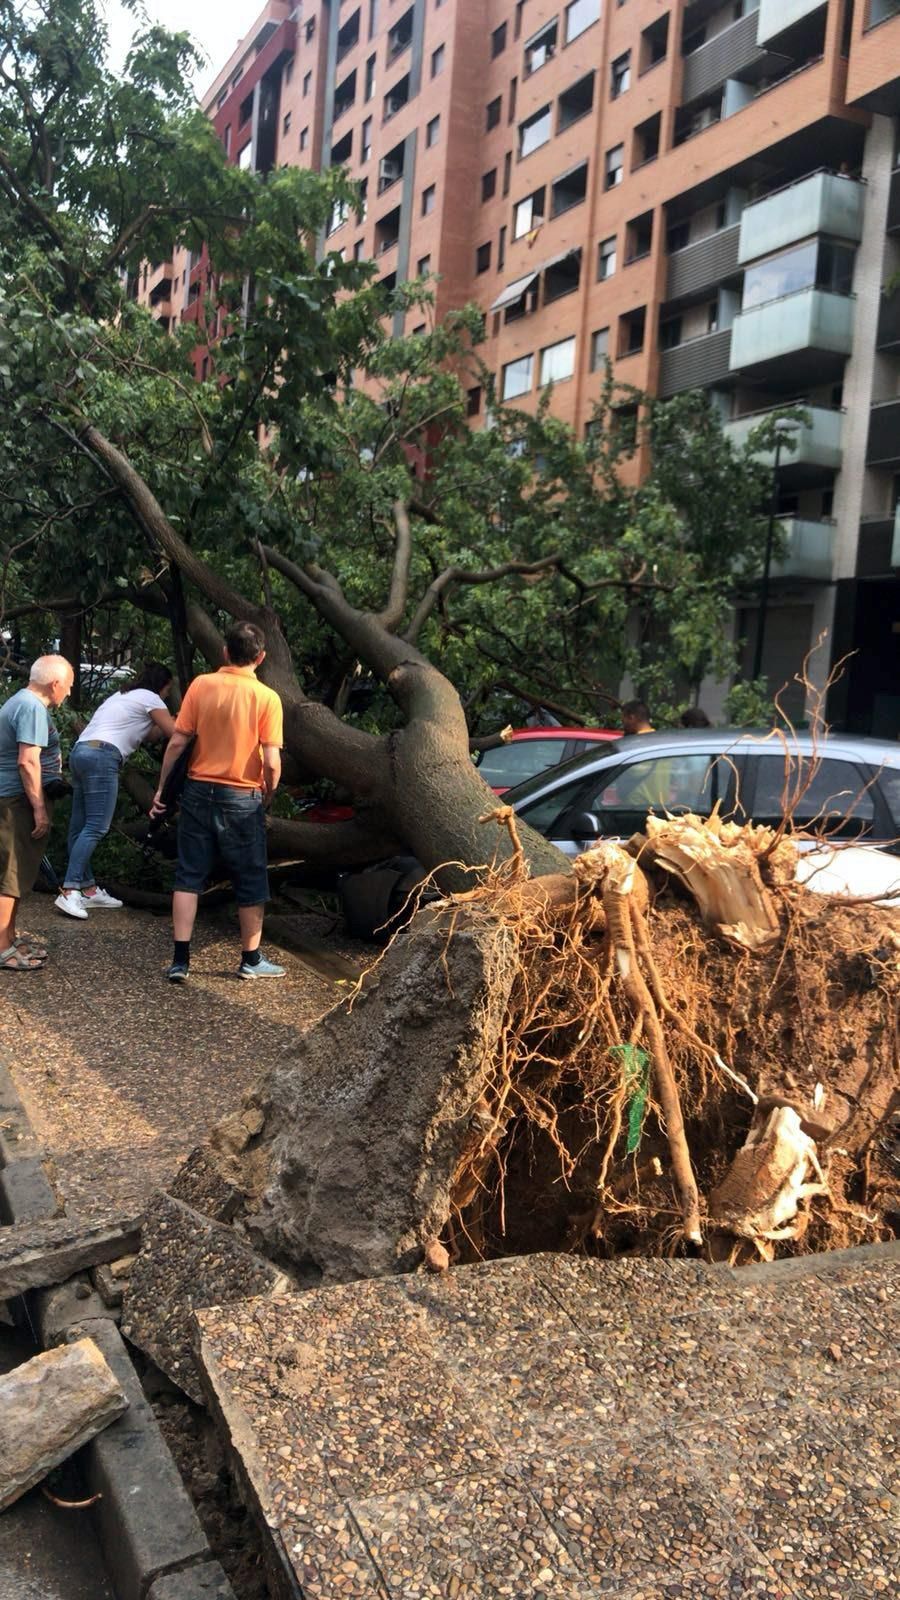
[[150, 1537]]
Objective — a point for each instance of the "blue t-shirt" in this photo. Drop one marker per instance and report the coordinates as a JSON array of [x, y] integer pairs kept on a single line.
[[24, 719]]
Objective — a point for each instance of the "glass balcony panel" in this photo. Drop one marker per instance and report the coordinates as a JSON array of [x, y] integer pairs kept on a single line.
[[776, 16], [822, 203], [817, 442], [807, 550], [810, 320]]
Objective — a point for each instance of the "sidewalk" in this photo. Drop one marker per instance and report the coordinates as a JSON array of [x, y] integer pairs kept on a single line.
[[123, 1073]]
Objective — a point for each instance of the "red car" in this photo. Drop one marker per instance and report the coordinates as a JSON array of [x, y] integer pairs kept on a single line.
[[533, 750]]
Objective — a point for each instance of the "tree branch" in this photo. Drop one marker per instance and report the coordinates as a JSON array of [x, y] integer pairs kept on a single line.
[[392, 615], [454, 575]]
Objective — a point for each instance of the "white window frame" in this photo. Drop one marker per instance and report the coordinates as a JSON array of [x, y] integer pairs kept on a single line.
[[559, 358], [527, 364], [579, 16]]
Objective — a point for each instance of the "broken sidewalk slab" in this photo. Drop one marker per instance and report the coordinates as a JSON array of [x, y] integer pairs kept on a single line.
[[198, 1184], [198, 1583], [34, 1255], [49, 1408], [186, 1261]]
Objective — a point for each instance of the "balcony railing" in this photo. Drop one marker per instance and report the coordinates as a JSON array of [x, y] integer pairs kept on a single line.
[[817, 441], [705, 264], [776, 16], [730, 54], [696, 364], [810, 319], [808, 550], [819, 202], [883, 449]]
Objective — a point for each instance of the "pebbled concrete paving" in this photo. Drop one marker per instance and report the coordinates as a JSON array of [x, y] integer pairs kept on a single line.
[[550, 1428]]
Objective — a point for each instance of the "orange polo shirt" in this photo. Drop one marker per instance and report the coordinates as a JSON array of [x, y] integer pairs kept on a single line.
[[232, 715]]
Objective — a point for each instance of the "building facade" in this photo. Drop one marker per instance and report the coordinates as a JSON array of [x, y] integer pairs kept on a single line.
[[706, 194]]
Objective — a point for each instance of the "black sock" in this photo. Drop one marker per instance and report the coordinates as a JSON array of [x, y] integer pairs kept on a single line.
[[182, 956], [250, 958]]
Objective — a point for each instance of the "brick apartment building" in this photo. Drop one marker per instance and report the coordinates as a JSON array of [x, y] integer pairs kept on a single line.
[[706, 193]]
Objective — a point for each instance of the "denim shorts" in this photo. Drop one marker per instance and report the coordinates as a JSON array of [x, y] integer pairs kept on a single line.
[[218, 823]]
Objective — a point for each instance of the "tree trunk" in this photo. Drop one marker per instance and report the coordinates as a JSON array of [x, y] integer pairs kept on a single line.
[[70, 647]]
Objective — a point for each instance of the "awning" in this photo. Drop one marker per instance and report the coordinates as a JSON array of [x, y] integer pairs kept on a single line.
[[515, 291]]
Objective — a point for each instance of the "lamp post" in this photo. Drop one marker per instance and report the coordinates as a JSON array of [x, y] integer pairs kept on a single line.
[[767, 565]]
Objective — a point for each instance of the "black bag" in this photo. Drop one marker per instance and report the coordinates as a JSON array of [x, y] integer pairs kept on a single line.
[[57, 789], [171, 793]]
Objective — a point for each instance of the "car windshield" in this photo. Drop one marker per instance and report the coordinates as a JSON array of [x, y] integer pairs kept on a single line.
[[577, 764], [523, 758]]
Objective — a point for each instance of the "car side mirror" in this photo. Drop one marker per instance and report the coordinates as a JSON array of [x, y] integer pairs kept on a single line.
[[584, 825]]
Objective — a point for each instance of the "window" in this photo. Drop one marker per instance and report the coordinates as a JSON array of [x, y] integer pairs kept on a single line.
[[396, 98], [245, 111], [342, 151], [524, 758], [362, 200], [304, 138], [599, 349], [580, 15], [344, 95], [390, 167], [606, 259], [387, 231], [534, 132], [541, 48], [620, 75], [646, 141], [423, 266], [245, 156], [432, 132], [498, 41], [493, 113], [615, 166], [517, 377], [528, 213], [488, 184], [483, 258], [654, 43], [365, 143], [400, 35], [339, 213], [310, 30], [639, 237], [623, 427], [428, 198], [562, 277], [818, 264], [575, 102], [513, 88], [307, 83], [437, 60], [834, 793], [557, 361], [358, 250], [286, 123], [569, 190], [373, 18], [473, 401], [348, 36], [670, 333], [663, 783], [501, 249], [507, 172], [632, 328], [369, 86]]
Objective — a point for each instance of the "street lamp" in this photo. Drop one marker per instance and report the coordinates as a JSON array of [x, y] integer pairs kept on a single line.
[[781, 433]]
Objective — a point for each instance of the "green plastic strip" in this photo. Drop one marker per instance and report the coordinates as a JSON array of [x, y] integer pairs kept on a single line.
[[636, 1066]]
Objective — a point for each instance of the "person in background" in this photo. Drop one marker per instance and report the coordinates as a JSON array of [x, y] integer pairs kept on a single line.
[[694, 717], [636, 717], [118, 726], [30, 763], [235, 723]]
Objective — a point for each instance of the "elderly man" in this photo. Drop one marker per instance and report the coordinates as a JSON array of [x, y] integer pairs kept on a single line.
[[29, 760]]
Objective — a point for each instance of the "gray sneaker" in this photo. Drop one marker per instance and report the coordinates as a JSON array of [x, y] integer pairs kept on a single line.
[[262, 969]]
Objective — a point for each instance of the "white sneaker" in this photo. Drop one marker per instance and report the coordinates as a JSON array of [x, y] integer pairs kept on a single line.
[[73, 904], [100, 898]]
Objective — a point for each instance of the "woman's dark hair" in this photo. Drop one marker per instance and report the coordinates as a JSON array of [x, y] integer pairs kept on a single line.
[[154, 675], [693, 717]]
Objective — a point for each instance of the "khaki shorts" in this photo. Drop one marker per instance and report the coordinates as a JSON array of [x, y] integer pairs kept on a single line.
[[20, 855]]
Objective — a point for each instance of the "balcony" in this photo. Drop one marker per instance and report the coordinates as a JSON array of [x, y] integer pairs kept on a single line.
[[703, 265], [696, 364], [878, 552], [804, 337], [817, 444], [777, 16], [884, 435], [888, 336], [822, 202], [807, 550], [733, 53]]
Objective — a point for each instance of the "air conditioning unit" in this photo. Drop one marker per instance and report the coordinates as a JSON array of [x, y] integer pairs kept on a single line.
[[705, 118], [389, 172]]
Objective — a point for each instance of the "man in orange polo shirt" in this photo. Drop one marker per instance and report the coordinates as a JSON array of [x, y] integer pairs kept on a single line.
[[235, 723]]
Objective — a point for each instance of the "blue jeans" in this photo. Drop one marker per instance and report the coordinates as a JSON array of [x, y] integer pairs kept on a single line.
[[95, 789], [221, 825]]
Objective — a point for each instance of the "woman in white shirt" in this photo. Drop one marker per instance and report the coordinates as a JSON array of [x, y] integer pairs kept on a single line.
[[113, 734]]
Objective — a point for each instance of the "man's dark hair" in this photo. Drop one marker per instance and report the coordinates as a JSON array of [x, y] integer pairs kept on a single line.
[[154, 675], [244, 642], [694, 717], [636, 708]]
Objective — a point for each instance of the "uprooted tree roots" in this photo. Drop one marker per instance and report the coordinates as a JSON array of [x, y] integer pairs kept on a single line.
[[692, 1046]]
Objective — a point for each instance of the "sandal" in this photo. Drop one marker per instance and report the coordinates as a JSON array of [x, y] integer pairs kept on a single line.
[[30, 945], [12, 960]]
